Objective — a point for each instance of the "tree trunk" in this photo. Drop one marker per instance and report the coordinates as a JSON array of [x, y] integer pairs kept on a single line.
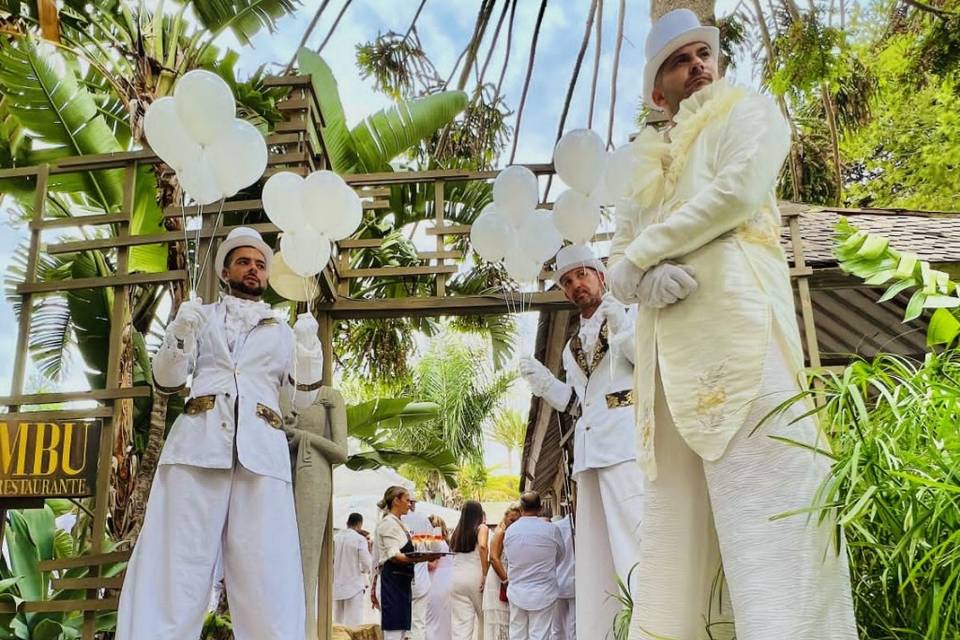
[[703, 8], [148, 466]]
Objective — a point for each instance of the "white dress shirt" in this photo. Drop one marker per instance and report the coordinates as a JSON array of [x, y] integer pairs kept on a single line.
[[418, 523], [534, 549], [351, 564], [566, 573]]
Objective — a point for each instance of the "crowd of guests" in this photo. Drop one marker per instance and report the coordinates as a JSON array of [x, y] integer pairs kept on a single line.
[[511, 581]]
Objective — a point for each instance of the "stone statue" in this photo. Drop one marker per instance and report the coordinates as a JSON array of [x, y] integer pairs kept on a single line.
[[318, 439]]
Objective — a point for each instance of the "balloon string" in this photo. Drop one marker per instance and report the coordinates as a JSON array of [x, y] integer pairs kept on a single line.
[[216, 225], [182, 199]]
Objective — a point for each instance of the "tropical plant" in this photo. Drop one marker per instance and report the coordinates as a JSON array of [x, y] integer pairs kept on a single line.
[[475, 481], [31, 538], [894, 486], [509, 428]]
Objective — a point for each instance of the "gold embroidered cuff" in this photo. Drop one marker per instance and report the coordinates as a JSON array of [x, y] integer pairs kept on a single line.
[[620, 399], [269, 416], [306, 387], [267, 321], [198, 405]]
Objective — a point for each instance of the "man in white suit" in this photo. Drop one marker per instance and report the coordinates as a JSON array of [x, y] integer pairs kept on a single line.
[[352, 564], [697, 246], [224, 481], [598, 390]]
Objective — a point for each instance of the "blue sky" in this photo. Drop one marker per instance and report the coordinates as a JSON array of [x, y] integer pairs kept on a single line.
[[444, 27]]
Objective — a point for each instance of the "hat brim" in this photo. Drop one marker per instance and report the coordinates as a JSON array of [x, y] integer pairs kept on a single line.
[[596, 265], [230, 244], [710, 35]]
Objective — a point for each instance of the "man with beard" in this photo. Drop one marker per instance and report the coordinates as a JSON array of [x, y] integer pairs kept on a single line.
[[715, 354], [598, 361], [223, 486]]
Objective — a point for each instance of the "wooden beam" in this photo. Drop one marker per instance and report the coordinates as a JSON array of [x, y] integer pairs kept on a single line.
[[57, 415], [114, 582], [293, 104], [450, 230], [287, 81], [99, 283], [362, 243], [78, 221], [345, 308], [395, 272], [439, 255], [68, 396], [59, 564], [52, 606]]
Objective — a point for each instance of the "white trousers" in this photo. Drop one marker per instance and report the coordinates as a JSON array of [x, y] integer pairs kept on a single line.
[[418, 620], [565, 620], [193, 515], [349, 611], [610, 506], [784, 577], [466, 599], [531, 625]]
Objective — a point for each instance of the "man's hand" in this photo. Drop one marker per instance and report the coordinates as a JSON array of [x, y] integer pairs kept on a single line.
[[666, 284], [624, 278], [537, 376], [306, 328], [189, 319], [613, 312]]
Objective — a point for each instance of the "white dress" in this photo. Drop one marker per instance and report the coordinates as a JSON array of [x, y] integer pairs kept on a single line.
[[438, 607], [496, 613], [466, 608]]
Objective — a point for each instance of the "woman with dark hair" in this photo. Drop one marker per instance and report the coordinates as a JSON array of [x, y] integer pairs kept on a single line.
[[469, 543], [395, 565], [496, 610]]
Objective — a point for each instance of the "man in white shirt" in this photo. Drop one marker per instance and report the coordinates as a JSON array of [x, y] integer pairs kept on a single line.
[[533, 549], [417, 523], [598, 391], [351, 572], [565, 616]]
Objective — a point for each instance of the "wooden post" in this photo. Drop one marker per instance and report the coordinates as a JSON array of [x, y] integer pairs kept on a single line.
[[325, 583], [118, 325], [438, 215]]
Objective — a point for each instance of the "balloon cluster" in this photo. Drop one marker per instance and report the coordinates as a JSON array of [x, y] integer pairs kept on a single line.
[[311, 212], [512, 229], [581, 162], [197, 133]]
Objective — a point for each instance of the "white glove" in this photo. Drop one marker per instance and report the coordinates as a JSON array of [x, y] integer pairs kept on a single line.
[[190, 318], [306, 328], [624, 279], [666, 284], [613, 312], [537, 376]]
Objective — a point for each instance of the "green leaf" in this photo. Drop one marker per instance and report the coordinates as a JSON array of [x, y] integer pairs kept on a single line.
[[941, 302], [441, 461], [943, 328], [43, 94], [383, 136], [873, 246], [915, 306], [365, 419], [336, 135], [895, 289], [245, 18]]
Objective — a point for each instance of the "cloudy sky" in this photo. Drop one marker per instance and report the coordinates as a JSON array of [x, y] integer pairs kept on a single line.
[[444, 28]]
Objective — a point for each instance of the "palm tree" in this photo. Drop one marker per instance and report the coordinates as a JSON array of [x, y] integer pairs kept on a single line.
[[509, 429]]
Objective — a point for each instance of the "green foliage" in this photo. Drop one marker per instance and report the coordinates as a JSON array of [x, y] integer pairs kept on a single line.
[[894, 485], [32, 537], [869, 256], [809, 54]]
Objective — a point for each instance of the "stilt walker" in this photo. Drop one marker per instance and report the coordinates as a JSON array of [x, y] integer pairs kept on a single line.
[[598, 390], [715, 353], [224, 481]]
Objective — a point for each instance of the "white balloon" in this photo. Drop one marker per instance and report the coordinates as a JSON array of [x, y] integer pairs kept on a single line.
[[618, 177], [489, 234], [167, 136], [578, 158], [576, 216], [305, 252], [239, 157], [332, 206], [521, 267], [283, 201], [290, 285], [537, 236], [515, 192], [199, 181], [205, 104]]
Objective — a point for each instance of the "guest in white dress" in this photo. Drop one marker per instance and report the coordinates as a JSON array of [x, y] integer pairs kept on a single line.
[[469, 543], [441, 571], [496, 610]]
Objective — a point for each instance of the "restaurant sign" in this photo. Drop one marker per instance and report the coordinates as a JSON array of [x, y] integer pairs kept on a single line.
[[48, 459]]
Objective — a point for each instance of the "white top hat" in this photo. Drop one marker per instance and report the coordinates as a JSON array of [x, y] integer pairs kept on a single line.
[[242, 237], [575, 256], [672, 31]]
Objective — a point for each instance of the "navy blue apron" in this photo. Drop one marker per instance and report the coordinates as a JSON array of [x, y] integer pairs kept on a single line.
[[396, 593]]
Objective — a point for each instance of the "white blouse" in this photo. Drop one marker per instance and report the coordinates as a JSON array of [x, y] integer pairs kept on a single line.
[[391, 536]]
